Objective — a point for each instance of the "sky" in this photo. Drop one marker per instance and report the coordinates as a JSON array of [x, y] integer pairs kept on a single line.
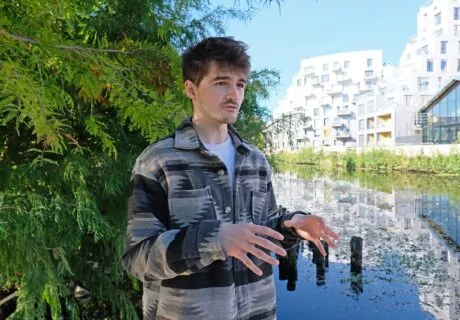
[[279, 37]]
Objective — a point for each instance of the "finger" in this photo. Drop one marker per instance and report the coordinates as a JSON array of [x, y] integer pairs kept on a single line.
[[320, 247], [260, 254], [248, 263], [267, 244], [331, 233], [329, 241], [266, 231]]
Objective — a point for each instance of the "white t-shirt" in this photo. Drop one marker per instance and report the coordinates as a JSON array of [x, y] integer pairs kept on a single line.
[[226, 152]]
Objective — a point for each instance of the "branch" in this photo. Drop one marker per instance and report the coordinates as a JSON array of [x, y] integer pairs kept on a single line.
[[17, 37], [284, 117]]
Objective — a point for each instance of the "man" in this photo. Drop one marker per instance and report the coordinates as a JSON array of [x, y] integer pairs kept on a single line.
[[202, 214]]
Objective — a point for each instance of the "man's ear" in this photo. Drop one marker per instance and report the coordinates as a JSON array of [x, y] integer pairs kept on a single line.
[[190, 89]]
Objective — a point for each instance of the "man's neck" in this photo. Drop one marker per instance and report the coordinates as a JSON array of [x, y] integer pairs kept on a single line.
[[211, 133]]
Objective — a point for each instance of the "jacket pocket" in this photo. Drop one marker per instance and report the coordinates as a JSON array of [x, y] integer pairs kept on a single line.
[[190, 207], [259, 210]]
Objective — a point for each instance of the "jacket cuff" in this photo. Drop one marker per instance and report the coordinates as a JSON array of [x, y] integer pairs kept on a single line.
[[209, 242], [290, 235]]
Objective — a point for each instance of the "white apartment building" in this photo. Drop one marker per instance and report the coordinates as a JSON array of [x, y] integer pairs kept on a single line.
[[324, 90], [431, 58]]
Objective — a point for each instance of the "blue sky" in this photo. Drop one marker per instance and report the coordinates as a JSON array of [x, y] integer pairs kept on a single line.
[[280, 38]]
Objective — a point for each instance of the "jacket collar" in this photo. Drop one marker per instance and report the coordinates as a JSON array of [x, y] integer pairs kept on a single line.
[[186, 138]]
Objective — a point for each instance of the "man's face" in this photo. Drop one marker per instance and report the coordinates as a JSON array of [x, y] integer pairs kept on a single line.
[[218, 97]]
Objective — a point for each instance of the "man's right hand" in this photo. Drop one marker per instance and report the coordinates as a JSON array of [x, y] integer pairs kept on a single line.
[[240, 239]]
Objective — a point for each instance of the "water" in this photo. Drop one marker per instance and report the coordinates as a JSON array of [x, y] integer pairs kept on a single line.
[[410, 231]]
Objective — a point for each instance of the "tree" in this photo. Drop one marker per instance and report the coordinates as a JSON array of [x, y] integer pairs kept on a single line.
[[84, 87]]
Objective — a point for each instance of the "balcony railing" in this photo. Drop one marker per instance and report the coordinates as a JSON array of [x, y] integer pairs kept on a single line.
[[344, 112], [335, 90]]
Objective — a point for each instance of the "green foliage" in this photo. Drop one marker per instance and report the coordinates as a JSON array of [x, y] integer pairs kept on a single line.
[[253, 116], [85, 86], [374, 160]]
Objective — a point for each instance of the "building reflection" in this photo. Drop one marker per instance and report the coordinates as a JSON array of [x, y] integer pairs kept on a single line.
[[421, 229]]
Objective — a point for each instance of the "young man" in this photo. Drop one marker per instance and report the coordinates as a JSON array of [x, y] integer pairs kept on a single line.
[[203, 216]]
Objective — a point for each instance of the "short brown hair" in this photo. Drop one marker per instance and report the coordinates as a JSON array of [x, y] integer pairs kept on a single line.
[[227, 52]]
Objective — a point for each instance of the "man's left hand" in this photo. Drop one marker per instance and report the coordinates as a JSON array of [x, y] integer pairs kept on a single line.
[[313, 228]]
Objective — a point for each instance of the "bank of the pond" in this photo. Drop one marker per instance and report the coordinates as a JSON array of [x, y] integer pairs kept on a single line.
[[375, 160]]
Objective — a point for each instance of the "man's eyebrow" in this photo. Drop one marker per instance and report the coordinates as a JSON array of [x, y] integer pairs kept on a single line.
[[218, 78]]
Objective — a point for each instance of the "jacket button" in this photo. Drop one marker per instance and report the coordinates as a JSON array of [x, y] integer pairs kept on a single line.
[[221, 172], [228, 209]]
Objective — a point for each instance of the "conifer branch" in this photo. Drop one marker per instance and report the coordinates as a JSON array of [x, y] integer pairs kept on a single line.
[[21, 38]]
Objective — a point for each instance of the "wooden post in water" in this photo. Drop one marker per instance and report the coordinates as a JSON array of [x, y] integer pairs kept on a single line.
[[356, 264], [322, 262], [288, 264]]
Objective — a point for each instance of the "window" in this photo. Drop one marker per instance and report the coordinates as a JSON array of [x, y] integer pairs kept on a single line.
[[361, 109], [429, 65], [325, 78], [443, 65], [437, 19], [316, 112], [345, 98], [458, 65], [369, 63], [368, 84], [443, 47], [299, 82], [346, 64], [361, 124], [325, 67], [456, 13], [361, 140], [326, 122], [316, 123], [368, 73], [423, 83]]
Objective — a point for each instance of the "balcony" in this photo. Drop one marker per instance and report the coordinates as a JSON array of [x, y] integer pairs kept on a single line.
[[309, 72], [325, 103], [364, 89], [344, 80], [337, 70], [310, 95], [344, 112], [372, 77], [343, 135], [316, 84], [336, 123], [335, 90]]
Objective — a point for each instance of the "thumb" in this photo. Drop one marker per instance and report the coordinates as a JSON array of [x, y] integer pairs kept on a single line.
[[288, 223]]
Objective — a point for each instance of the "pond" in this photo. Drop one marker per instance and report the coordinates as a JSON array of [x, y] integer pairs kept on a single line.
[[398, 256]]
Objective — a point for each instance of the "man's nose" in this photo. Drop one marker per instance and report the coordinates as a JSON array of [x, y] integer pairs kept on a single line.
[[233, 92]]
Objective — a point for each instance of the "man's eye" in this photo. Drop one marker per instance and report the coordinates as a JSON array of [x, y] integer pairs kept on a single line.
[[220, 83], [241, 85]]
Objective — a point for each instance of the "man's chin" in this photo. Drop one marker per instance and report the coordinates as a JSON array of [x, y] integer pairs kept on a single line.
[[230, 120]]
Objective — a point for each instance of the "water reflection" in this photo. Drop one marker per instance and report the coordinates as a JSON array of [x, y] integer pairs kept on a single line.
[[398, 255]]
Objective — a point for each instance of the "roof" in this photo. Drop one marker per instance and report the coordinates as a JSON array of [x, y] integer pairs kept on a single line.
[[440, 94]]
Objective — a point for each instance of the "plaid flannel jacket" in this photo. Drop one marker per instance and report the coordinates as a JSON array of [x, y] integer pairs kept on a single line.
[[180, 196]]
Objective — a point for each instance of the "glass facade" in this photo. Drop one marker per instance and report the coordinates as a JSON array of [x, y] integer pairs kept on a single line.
[[441, 122]]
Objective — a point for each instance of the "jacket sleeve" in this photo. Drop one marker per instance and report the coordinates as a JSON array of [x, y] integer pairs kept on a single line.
[[153, 250]]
